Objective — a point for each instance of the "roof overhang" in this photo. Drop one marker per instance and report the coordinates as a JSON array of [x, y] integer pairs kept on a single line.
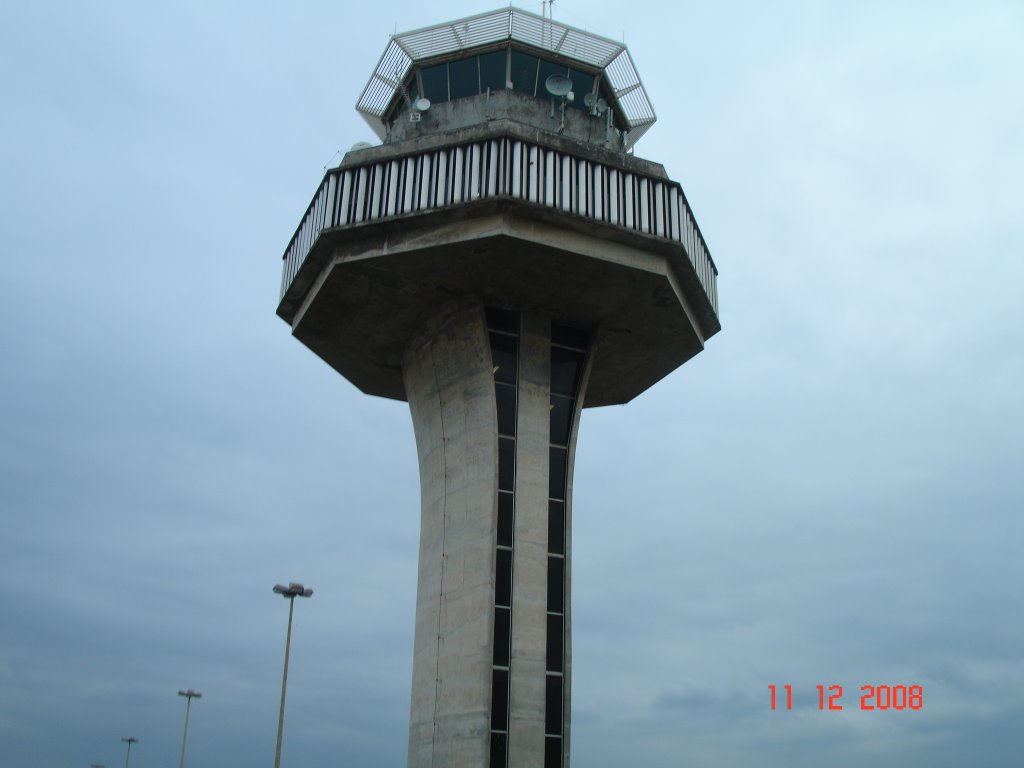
[[508, 25]]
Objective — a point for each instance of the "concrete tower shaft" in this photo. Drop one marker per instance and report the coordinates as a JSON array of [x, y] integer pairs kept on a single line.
[[494, 399], [499, 262]]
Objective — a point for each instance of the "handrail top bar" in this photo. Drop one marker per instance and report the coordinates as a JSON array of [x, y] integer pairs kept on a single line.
[[511, 13], [343, 199], [502, 130]]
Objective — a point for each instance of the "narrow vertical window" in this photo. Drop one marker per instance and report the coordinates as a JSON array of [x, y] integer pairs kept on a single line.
[[493, 70], [556, 632], [502, 636], [568, 357], [556, 527], [524, 72], [464, 77], [503, 332], [505, 519], [435, 83]]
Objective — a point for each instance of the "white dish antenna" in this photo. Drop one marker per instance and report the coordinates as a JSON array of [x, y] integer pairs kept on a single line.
[[595, 104], [558, 85], [422, 104]]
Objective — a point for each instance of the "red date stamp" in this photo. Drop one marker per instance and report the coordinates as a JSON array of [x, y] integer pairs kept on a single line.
[[872, 697]]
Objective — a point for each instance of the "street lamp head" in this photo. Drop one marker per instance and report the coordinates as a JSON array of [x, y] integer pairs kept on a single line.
[[191, 694], [129, 739], [294, 589]]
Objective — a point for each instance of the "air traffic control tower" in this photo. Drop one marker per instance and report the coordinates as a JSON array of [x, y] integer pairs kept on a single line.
[[499, 261]]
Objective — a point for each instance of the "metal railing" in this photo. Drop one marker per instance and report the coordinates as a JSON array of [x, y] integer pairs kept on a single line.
[[515, 26], [502, 168]]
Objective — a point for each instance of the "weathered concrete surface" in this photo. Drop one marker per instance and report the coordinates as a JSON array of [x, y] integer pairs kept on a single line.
[[530, 553], [449, 378], [451, 397], [544, 115], [384, 280]]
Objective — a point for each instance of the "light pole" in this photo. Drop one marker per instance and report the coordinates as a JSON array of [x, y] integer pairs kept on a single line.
[[189, 694], [128, 740], [290, 592]]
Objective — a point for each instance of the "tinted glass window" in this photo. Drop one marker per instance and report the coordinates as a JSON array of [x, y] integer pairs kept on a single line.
[[506, 399], [524, 72], [553, 708], [464, 77], [556, 526], [553, 752], [566, 367], [547, 69], [556, 582], [582, 84], [503, 354], [492, 70], [502, 632], [435, 82], [505, 502], [507, 464], [561, 419], [499, 701], [499, 750], [503, 578], [554, 643], [556, 476]]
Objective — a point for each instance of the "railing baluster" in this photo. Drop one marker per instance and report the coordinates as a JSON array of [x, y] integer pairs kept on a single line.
[[535, 174], [458, 173], [476, 153], [495, 162], [503, 167], [515, 172]]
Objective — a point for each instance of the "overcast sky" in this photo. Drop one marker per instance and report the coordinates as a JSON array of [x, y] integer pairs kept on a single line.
[[831, 493]]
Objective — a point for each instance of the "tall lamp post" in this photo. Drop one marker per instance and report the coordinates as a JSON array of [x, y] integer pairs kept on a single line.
[[290, 592], [189, 694], [129, 740]]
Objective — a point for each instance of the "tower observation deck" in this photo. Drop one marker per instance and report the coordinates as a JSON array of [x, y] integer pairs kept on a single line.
[[500, 261]]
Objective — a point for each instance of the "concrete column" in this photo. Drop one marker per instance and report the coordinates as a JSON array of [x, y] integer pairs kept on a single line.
[[449, 380], [530, 550], [573, 435], [450, 386]]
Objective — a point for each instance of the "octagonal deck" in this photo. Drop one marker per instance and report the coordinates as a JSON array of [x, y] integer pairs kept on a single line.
[[393, 233]]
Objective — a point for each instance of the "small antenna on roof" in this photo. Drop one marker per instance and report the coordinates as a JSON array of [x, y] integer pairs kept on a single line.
[[331, 158], [560, 87]]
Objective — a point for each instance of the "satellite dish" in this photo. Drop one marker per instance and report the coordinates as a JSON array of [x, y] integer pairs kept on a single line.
[[422, 104], [558, 85], [589, 100], [602, 105]]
